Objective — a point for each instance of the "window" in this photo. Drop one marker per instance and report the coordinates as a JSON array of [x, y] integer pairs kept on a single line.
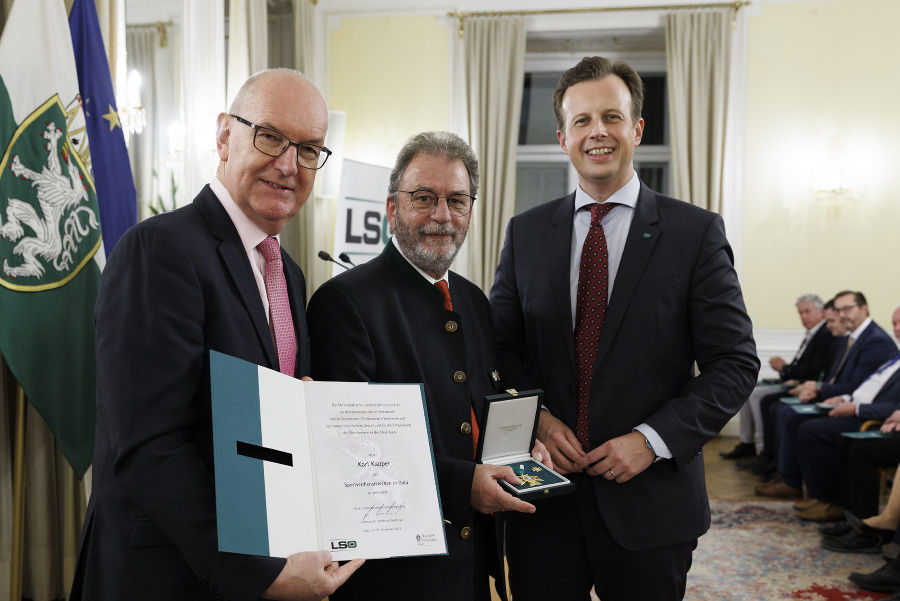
[[543, 170]]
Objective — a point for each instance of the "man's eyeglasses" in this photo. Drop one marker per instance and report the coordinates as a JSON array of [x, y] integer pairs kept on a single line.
[[425, 201], [274, 143], [846, 308]]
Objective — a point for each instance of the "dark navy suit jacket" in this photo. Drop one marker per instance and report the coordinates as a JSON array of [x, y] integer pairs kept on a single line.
[[176, 286], [676, 300], [873, 347], [813, 362]]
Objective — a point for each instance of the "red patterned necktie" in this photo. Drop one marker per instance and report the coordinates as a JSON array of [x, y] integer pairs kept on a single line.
[[448, 305], [590, 313], [279, 306]]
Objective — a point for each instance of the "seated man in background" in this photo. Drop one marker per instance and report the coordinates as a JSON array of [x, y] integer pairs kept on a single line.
[[809, 363], [866, 347], [764, 464]]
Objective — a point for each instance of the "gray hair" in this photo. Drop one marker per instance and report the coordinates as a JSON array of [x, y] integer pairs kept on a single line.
[[813, 299], [439, 144]]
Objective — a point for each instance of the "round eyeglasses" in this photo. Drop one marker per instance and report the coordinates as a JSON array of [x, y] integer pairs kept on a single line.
[[274, 143], [425, 201]]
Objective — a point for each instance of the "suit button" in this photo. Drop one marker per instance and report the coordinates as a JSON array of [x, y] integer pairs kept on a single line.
[[459, 376], [465, 533], [451, 326], [465, 428]]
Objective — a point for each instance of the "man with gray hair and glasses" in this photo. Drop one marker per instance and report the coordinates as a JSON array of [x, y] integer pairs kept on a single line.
[[404, 317], [808, 363]]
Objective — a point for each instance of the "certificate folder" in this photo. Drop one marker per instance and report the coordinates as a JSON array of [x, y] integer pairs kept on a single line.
[[302, 466], [507, 437]]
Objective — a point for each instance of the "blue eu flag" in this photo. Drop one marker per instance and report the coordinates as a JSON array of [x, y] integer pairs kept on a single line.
[[116, 195]]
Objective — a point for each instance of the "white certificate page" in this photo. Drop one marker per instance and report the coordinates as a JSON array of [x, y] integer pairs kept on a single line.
[[375, 475]]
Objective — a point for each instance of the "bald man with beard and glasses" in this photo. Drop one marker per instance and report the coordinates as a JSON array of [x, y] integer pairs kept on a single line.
[[404, 317], [177, 286]]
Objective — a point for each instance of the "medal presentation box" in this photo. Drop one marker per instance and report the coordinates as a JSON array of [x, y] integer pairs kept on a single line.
[[507, 437]]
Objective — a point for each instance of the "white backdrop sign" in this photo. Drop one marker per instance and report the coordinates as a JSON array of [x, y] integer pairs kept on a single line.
[[361, 226]]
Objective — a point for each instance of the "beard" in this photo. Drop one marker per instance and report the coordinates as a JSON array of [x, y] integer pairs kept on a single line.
[[434, 262]]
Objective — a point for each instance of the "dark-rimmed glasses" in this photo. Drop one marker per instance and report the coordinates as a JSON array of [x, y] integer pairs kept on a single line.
[[425, 201], [274, 143]]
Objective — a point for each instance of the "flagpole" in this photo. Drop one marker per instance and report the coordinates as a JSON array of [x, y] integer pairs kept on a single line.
[[18, 521]]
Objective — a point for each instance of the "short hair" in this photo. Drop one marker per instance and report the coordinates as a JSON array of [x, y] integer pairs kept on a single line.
[[829, 305], [858, 297], [438, 144], [597, 67], [248, 88], [812, 299]]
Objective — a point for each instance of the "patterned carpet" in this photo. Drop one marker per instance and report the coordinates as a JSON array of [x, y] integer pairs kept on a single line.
[[758, 551]]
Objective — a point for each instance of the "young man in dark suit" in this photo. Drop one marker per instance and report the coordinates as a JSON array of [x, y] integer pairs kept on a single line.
[[403, 317], [207, 276], [649, 290]]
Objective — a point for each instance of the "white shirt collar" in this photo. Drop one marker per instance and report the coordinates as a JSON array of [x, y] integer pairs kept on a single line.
[[626, 195], [250, 233], [855, 333]]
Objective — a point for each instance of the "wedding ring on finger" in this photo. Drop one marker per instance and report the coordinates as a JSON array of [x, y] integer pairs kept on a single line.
[[613, 474]]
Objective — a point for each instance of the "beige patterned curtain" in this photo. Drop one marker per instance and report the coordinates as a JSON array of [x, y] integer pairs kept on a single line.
[[698, 57], [309, 231], [494, 72]]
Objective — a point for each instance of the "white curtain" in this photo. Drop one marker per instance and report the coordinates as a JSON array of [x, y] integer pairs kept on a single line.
[[248, 47], [494, 70], [698, 56], [143, 149], [310, 230]]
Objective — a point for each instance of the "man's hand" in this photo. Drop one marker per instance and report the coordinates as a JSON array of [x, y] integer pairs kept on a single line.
[[835, 400], [540, 453], [892, 423], [560, 441], [487, 494], [619, 459], [777, 363], [842, 409], [310, 576], [806, 391]]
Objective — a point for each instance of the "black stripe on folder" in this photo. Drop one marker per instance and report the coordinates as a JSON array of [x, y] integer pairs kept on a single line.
[[264, 453]]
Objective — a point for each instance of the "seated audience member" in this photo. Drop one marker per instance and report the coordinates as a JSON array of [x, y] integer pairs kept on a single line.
[[809, 362], [816, 442], [865, 349], [764, 464]]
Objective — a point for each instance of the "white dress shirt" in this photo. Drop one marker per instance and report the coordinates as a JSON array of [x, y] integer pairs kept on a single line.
[[615, 224]]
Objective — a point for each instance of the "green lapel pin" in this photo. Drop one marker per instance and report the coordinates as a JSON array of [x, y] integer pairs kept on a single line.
[[647, 235]]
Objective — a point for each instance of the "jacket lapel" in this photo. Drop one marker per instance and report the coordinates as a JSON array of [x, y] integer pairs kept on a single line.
[[642, 238], [231, 250], [559, 256]]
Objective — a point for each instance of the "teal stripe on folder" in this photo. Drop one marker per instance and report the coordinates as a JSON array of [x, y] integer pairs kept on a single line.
[[240, 481]]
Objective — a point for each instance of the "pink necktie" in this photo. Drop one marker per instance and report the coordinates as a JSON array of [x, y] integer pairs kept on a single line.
[[590, 313], [279, 306]]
